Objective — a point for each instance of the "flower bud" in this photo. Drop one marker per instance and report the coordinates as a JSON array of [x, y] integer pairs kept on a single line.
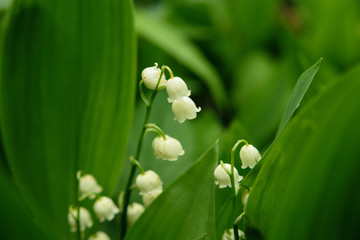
[[151, 75], [88, 186], [223, 179], [105, 208], [184, 109], [148, 182], [149, 197], [176, 89], [244, 198], [121, 201], [85, 219], [229, 234], [99, 236], [249, 156], [168, 148], [134, 211]]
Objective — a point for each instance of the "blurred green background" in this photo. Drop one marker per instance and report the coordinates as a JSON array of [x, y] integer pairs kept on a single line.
[[69, 71]]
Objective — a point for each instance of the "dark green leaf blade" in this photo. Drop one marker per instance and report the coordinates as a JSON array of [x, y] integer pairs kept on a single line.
[[308, 186], [298, 93], [185, 210], [67, 91]]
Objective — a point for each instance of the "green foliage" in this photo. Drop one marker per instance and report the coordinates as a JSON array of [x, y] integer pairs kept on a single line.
[[67, 90], [309, 179], [299, 91], [176, 44], [186, 209]]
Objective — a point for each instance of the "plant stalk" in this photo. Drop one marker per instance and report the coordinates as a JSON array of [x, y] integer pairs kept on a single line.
[[123, 222]]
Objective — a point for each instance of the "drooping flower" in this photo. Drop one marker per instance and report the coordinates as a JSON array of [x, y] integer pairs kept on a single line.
[[85, 219], [249, 156], [184, 108], [150, 77], [105, 208], [100, 235], [148, 182], [88, 186], [149, 197], [176, 89], [134, 211], [168, 148], [229, 234], [223, 178]]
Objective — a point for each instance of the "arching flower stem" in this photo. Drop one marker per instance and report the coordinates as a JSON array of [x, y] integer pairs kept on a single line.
[[152, 127], [233, 186], [123, 223]]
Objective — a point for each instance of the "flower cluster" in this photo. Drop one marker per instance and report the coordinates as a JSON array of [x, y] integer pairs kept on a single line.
[[229, 234], [249, 156], [183, 106], [104, 207], [227, 175], [149, 185]]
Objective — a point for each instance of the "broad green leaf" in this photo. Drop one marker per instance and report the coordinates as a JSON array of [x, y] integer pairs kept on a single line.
[[67, 90], [16, 221], [298, 93], [308, 186], [176, 44], [185, 210]]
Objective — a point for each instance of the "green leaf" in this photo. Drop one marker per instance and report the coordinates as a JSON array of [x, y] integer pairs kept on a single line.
[[298, 93], [16, 221], [176, 44], [308, 186], [185, 210], [67, 90]]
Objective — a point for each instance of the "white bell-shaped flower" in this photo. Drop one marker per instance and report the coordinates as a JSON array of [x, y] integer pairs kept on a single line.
[[149, 197], [168, 148], [184, 108], [134, 211], [88, 186], [229, 234], [105, 208], [176, 89], [150, 77], [223, 179], [100, 235], [148, 182], [249, 156], [85, 219]]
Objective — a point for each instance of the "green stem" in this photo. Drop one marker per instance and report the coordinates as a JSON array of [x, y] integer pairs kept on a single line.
[[152, 127], [233, 186], [169, 70], [135, 162], [123, 223], [142, 94], [78, 231]]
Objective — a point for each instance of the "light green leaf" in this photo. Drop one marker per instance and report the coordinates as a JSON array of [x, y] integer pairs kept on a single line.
[[308, 186], [298, 93], [67, 91], [185, 210], [176, 44]]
